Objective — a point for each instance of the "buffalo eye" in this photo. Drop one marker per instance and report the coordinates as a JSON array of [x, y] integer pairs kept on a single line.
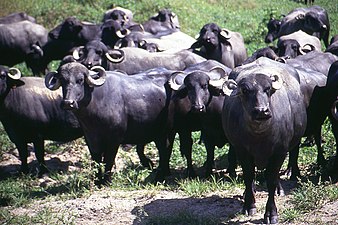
[[80, 81], [267, 90], [245, 90], [204, 86], [99, 52]]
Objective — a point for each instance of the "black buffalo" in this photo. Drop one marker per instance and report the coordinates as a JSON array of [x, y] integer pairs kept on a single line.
[[113, 108], [22, 42], [313, 20], [323, 104], [72, 33], [16, 17], [31, 113], [199, 103], [222, 45], [297, 43], [333, 47], [163, 23], [263, 118]]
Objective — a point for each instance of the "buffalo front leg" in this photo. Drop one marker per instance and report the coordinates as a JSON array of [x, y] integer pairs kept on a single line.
[[164, 147], [109, 159], [248, 167], [272, 180], [186, 150], [39, 149], [23, 154]]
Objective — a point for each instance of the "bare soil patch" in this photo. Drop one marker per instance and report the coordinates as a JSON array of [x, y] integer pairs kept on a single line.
[[107, 206]]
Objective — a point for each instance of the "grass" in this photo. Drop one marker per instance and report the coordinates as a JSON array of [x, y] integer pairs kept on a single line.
[[248, 17]]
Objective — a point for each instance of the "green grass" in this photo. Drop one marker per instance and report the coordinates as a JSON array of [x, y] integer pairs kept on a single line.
[[249, 17]]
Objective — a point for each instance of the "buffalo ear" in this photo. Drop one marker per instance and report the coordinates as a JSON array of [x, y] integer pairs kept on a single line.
[[215, 91], [195, 45]]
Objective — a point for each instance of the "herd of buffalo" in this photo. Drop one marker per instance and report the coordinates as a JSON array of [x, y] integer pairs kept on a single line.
[[123, 82]]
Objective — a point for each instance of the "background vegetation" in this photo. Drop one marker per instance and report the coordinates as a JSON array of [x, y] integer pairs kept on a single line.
[[249, 17]]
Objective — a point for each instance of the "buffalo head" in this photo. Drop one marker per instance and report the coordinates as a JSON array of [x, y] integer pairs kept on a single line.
[[210, 36], [76, 80], [8, 78], [96, 53], [254, 92], [67, 30], [199, 86], [273, 29]]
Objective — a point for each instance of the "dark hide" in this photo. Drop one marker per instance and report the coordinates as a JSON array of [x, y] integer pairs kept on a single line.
[[31, 113], [22, 42], [211, 44], [125, 109], [263, 119]]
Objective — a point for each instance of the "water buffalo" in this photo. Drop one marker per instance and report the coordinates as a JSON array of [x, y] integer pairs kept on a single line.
[[333, 47], [31, 113], [163, 23], [297, 43], [113, 109], [221, 45], [133, 60], [313, 20], [16, 17], [200, 102], [264, 117], [22, 42], [268, 52], [323, 104]]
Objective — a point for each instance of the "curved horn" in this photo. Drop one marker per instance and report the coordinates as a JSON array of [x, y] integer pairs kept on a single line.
[[277, 82], [96, 70], [14, 73], [229, 86], [78, 52], [116, 52], [172, 81], [51, 81], [37, 49], [306, 49], [121, 35], [219, 71], [280, 59], [225, 34], [218, 83], [334, 110]]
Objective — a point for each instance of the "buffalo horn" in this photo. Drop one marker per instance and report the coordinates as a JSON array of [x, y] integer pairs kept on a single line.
[[225, 33], [14, 73], [334, 110], [306, 48], [51, 81], [96, 70], [276, 82], [77, 52], [121, 35], [218, 83], [280, 59], [115, 52], [38, 49], [172, 81], [229, 86]]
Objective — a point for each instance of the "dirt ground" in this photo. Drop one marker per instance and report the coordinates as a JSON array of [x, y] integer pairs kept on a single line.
[[106, 206]]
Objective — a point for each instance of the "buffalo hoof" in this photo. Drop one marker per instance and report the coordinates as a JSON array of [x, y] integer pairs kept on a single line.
[[42, 170], [270, 219], [161, 175], [249, 212], [191, 173]]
